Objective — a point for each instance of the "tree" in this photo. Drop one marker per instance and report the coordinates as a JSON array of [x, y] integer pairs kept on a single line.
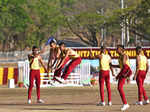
[[46, 18], [138, 16], [141, 18], [13, 20], [87, 20], [28, 22]]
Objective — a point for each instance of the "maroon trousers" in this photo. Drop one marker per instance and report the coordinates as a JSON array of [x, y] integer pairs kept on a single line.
[[58, 71], [121, 83], [34, 75], [104, 77], [140, 81], [68, 69], [124, 73]]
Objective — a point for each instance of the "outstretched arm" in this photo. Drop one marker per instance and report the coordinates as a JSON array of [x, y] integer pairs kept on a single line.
[[111, 68], [114, 66]]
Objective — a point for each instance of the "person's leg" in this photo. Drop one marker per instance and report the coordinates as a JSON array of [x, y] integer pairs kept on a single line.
[[121, 83], [101, 85], [31, 79], [59, 70], [123, 71], [144, 92], [70, 67], [129, 73], [107, 81], [140, 88], [38, 81]]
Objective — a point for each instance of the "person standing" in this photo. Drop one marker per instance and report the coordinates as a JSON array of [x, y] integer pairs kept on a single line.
[[125, 72], [140, 75], [104, 75], [35, 60]]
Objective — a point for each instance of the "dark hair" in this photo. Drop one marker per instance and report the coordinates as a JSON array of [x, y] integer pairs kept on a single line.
[[34, 47], [61, 43], [52, 41], [138, 48], [121, 46]]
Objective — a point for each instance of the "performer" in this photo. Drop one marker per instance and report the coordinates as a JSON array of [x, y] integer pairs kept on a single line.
[[140, 75], [125, 72], [66, 54], [104, 75], [35, 61], [53, 55]]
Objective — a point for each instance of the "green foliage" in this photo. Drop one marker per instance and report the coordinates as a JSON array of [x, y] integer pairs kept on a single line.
[[30, 22], [135, 16]]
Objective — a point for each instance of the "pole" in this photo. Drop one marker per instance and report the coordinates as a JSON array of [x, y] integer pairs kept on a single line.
[[102, 29], [123, 26], [128, 32], [122, 4]]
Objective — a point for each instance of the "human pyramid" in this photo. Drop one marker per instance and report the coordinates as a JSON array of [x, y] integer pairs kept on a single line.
[[60, 55]]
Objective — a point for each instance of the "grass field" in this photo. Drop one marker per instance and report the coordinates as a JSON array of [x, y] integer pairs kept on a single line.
[[68, 99]]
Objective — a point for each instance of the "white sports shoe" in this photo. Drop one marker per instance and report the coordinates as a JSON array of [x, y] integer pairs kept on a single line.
[[139, 103], [55, 83], [110, 103], [101, 104], [146, 102], [29, 101], [125, 106], [40, 101]]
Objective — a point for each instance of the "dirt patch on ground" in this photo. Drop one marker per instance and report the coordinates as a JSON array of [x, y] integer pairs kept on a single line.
[[68, 99]]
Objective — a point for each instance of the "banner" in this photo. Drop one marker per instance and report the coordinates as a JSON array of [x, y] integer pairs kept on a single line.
[[131, 52]]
